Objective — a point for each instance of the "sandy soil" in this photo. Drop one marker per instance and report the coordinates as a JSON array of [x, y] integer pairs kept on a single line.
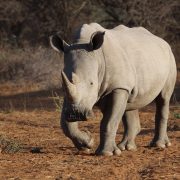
[[45, 153]]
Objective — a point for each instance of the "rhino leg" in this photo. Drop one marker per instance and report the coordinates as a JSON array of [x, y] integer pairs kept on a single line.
[[161, 118], [112, 114], [132, 127], [81, 139]]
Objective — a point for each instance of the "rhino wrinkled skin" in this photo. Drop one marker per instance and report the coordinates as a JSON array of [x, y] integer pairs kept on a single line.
[[120, 70]]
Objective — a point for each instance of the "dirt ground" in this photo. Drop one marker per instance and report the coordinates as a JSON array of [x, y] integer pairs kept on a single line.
[[34, 147]]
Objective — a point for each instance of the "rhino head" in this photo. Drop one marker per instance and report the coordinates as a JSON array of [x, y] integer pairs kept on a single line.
[[80, 75]]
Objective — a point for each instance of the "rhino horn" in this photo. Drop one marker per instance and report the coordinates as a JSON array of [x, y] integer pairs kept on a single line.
[[70, 87]]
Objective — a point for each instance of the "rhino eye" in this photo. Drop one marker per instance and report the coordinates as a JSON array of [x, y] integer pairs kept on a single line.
[[91, 83]]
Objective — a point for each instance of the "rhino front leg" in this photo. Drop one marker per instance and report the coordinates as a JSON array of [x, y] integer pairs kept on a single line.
[[81, 139], [112, 114], [161, 118], [132, 127]]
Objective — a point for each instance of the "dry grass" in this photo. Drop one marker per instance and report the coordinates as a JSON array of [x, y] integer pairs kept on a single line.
[[58, 101], [28, 70], [8, 145]]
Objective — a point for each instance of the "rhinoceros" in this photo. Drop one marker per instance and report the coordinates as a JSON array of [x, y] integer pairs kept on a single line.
[[120, 70]]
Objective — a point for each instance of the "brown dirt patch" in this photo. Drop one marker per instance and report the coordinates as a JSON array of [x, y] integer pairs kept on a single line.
[[45, 153]]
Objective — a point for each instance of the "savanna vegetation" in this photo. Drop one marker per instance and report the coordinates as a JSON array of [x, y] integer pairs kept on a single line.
[[25, 27]]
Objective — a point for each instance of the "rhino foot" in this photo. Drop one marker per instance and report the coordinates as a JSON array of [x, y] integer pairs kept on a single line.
[[108, 151], [129, 145], [161, 143]]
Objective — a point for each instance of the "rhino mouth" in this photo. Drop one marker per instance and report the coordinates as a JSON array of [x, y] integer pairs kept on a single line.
[[72, 116]]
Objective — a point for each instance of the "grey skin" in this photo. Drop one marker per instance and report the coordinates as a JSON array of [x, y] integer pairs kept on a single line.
[[120, 70]]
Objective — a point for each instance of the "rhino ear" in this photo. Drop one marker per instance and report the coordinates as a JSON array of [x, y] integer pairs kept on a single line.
[[97, 40], [58, 44]]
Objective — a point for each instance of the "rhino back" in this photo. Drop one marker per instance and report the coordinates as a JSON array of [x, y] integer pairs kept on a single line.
[[135, 60], [138, 61]]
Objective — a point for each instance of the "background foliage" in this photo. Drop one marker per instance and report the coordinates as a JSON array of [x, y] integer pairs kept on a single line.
[[32, 21]]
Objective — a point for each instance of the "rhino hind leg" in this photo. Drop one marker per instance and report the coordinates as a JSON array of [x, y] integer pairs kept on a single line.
[[161, 118], [162, 109], [132, 127]]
